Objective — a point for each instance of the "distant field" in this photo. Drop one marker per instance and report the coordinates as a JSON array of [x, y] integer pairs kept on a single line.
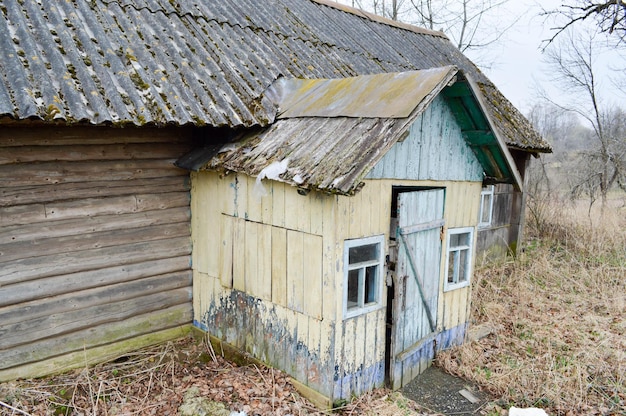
[[560, 310]]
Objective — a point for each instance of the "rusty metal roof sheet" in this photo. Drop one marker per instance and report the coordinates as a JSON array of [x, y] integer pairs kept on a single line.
[[331, 144], [203, 62]]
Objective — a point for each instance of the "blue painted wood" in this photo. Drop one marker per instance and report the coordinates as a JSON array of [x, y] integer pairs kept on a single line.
[[434, 149]]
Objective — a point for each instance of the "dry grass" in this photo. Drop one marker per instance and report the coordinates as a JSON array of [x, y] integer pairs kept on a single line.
[[561, 307], [158, 380]]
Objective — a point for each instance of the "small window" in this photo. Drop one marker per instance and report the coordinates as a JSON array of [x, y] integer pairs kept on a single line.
[[363, 264], [486, 206], [459, 257]]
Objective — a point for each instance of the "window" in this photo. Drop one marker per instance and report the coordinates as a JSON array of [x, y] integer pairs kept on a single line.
[[486, 206], [363, 269], [459, 258]]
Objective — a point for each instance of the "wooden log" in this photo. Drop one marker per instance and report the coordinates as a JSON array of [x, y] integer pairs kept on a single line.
[[65, 263], [46, 136], [73, 226], [32, 290], [87, 241], [83, 358], [24, 195], [78, 152], [95, 296], [66, 322], [89, 207], [65, 172]]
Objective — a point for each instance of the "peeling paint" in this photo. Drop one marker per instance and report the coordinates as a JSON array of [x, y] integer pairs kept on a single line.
[[263, 330]]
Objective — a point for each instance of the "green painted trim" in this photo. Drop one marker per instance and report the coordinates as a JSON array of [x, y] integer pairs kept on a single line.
[[92, 356]]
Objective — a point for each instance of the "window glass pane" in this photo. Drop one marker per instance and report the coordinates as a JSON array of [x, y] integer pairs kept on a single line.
[[370, 284], [353, 289], [485, 209], [451, 260], [457, 240], [363, 253], [462, 274]]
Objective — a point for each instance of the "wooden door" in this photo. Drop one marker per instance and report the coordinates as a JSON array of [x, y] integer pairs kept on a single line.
[[416, 284]]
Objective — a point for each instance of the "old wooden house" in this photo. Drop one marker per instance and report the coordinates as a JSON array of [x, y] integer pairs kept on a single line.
[[342, 236], [318, 196]]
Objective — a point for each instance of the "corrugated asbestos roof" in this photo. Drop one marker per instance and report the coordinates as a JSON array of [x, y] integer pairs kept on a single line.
[[344, 127], [204, 62]]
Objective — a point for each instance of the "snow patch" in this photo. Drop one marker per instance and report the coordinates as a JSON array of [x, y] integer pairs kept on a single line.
[[272, 171], [531, 411], [298, 179]]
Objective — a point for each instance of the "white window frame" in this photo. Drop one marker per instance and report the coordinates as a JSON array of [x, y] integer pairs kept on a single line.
[[486, 191], [380, 262], [456, 283]]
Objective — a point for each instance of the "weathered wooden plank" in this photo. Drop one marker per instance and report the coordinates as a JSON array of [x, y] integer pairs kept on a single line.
[[239, 241], [253, 196], [295, 270], [92, 297], [66, 322], [241, 196], [360, 362], [297, 210], [250, 258], [27, 214], [90, 189], [313, 357], [65, 263], [76, 226], [80, 242], [370, 339], [76, 152], [95, 336], [329, 272], [61, 136], [75, 282], [278, 204], [312, 275], [201, 227], [264, 262], [226, 250], [348, 362], [47, 173], [301, 347], [279, 266]]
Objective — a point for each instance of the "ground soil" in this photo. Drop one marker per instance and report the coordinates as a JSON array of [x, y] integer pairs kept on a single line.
[[159, 380]]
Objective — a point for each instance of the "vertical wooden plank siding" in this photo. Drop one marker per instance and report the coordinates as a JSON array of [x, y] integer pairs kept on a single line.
[[273, 247], [434, 150], [95, 243], [293, 303]]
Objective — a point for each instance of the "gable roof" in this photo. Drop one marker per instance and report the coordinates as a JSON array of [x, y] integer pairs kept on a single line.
[[202, 62], [330, 133]]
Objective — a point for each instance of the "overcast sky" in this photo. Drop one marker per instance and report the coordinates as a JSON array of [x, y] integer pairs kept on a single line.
[[519, 65]]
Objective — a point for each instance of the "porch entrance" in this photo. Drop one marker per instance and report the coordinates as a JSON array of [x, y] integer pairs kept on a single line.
[[415, 261]]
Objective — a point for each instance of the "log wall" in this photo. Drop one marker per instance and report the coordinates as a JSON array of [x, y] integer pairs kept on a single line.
[[94, 244]]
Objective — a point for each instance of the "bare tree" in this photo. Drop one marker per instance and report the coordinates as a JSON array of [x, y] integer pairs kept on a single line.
[[465, 22], [604, 162], [609, 16]]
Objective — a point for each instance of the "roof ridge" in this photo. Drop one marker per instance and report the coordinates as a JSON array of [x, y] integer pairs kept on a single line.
[[380, 19]]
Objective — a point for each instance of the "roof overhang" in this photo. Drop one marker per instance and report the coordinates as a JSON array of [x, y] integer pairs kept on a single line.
[[480, 133], [329, 133]]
